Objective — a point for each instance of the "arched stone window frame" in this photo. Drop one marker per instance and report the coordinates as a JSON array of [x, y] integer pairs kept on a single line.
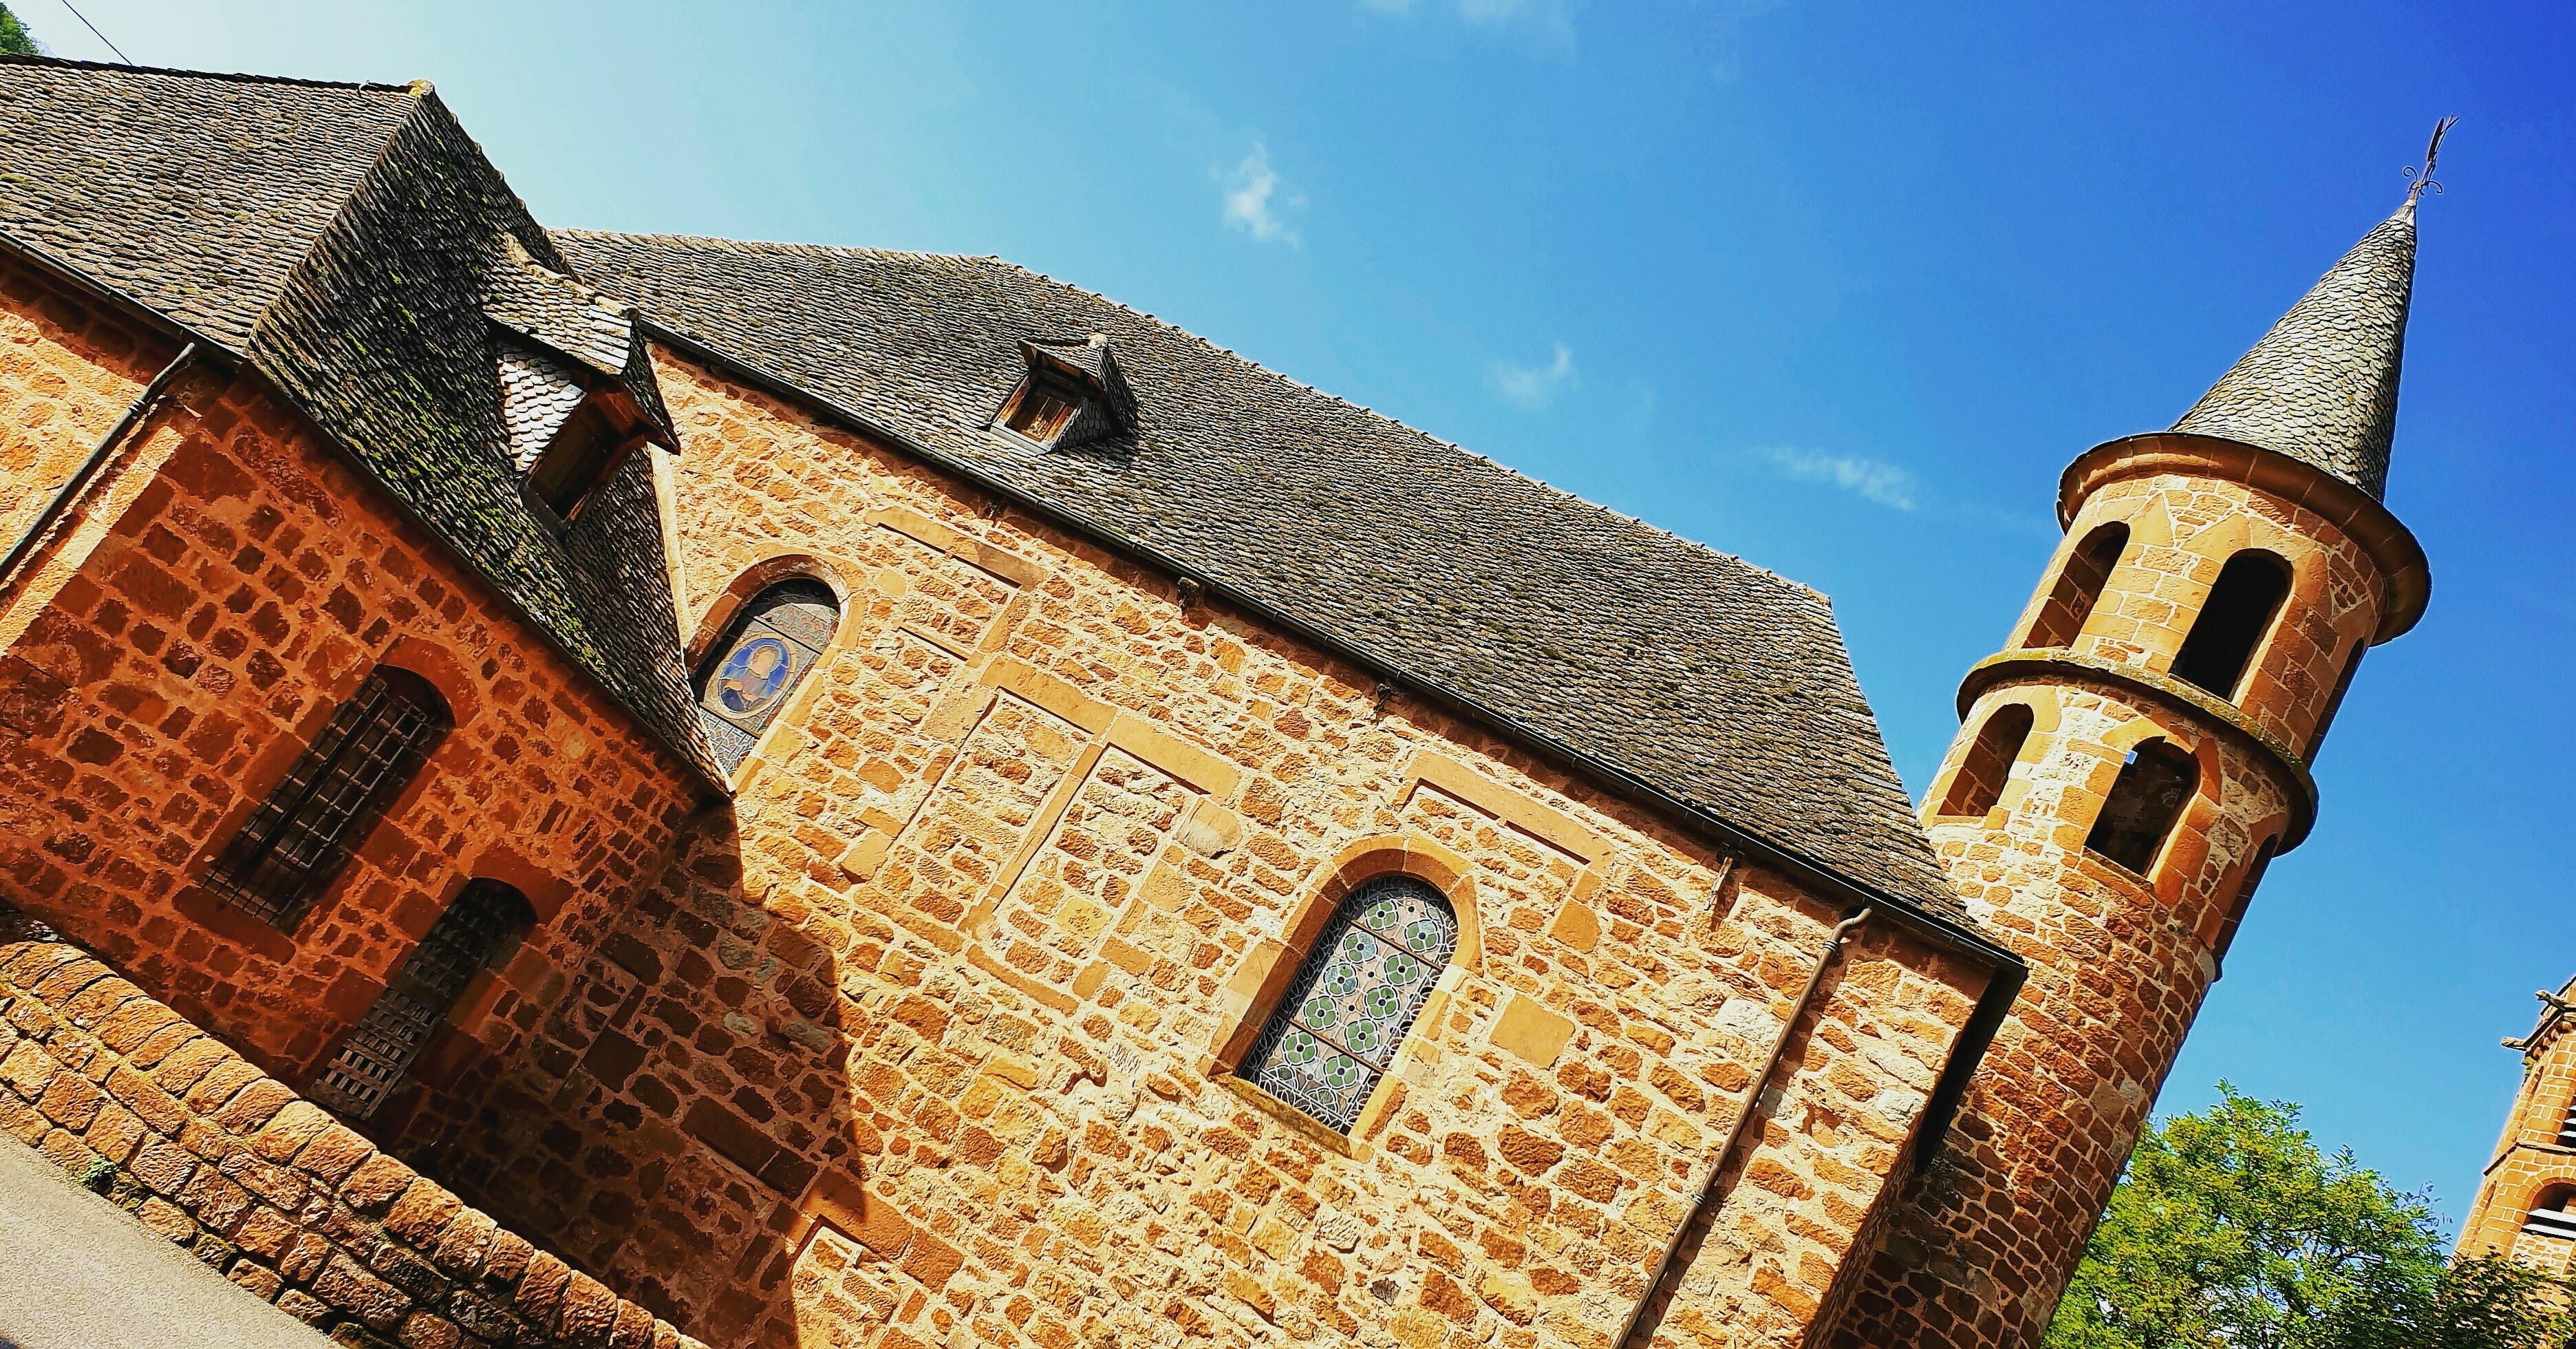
[[850, 588], [2075, 590], [2310, 566], [1253, 995], [2248, 562], [1948, 805], [2557, 1189], [2186, 842], [447, 970], [231, 857]]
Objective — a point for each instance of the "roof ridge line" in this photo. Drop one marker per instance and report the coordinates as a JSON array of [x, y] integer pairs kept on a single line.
[[1398, 422], [1543, 484], [230, 76], [779, 245]]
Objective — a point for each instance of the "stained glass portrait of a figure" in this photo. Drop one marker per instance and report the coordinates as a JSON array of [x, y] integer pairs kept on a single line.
[[777, 637], [1362, 984]]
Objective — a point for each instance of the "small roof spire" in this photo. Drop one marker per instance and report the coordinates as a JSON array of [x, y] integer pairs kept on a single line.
[[2321, 387]]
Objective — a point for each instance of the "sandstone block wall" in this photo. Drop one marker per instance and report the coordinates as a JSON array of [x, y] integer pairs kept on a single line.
[[71, 372], [230, 1163], [221, 591], [929, 1040], [1980, 1247]]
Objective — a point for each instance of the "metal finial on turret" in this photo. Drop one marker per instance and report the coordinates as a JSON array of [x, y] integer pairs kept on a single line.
[[2424, 176]]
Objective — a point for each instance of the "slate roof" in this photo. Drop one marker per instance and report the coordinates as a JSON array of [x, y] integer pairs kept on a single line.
[[1720, 685], [354, 245], [341, 239], [2321, 387]]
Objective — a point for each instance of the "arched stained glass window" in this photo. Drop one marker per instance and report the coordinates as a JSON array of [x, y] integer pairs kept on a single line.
[[476, 926], [774, 640], [1346, 1013]]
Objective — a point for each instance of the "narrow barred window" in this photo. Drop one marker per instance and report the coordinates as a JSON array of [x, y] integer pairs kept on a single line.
[[1354, 998], [475, 928], [772, 643], [299, 838]]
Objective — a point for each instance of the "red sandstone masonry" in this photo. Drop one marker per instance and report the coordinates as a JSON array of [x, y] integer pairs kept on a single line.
[[262, 1185], [227, 585], [2530, 1163]]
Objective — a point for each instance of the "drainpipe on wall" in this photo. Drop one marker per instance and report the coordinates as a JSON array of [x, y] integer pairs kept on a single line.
[[1707, 1201], [81, 478]]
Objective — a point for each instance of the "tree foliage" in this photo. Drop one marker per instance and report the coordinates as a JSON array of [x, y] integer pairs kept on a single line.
[[13, 35], [2234, 1230]]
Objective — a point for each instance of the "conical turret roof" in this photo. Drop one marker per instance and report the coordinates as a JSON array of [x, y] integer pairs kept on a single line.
[[2321, 387]]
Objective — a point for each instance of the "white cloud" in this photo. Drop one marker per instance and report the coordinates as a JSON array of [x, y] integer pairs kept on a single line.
[[1253, 201], [1873, 479], [1535, 386]]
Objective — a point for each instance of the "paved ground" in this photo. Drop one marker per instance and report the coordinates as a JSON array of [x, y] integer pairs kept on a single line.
[[77, 1272]]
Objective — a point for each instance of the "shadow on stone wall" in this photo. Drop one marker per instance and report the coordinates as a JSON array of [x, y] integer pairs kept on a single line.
[[685, 1095]]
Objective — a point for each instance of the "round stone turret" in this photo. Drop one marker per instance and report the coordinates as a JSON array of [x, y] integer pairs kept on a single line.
[[2126, 768]]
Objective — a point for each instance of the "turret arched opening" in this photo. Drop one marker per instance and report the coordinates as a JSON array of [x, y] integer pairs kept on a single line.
[[2241, 609], [1978, 785], [2079, 587], [2146, 800]]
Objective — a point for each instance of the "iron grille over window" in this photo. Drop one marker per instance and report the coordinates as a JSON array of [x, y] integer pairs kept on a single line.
[[1356, 995], [297, 840], [778, 637], [371, 1063]]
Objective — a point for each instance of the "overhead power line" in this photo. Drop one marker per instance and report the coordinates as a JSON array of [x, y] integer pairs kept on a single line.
[[93, 30]]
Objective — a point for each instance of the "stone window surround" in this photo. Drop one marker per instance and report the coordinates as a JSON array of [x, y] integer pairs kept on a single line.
[[545, 891], [431, 662], [2153, 528], [854, 586], [1252, 995]]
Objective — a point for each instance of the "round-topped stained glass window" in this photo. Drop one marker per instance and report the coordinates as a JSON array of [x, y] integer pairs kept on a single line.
[[1361, 986], [779, 635]]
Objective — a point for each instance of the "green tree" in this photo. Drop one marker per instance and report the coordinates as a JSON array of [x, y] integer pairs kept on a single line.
[[2234, 1230], [13, 35]]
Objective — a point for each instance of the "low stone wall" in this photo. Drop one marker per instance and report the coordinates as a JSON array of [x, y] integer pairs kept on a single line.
[[266, 1187]]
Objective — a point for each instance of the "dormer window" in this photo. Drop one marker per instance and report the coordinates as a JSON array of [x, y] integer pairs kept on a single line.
[[1040, 409], [1073, 394], [577, 462], [565, 436], [577, 387]]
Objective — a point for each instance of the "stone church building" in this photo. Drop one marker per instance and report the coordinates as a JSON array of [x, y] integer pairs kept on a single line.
[[2526, 1204], [597, 789]]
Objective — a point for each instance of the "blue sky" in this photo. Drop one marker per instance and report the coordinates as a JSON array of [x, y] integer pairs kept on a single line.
[[1838, 287]]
